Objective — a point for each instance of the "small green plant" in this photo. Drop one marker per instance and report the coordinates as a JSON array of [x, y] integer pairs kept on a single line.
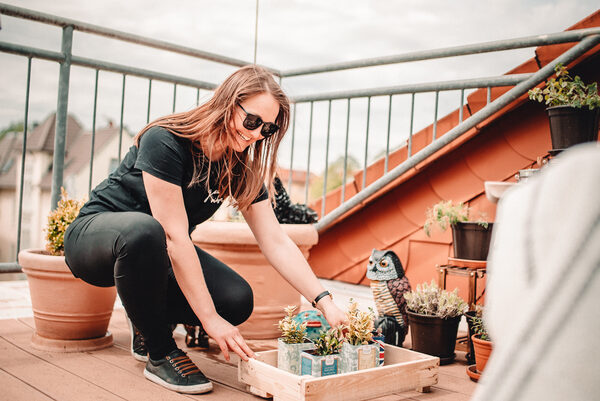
[[361, 325], [446, 213], [292, 332], [58, 220], [477, 325], [329, 342], [429, 299], [563, 90]]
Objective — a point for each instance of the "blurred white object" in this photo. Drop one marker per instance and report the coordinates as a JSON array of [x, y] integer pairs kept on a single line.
[[495, 189], [542, 307]]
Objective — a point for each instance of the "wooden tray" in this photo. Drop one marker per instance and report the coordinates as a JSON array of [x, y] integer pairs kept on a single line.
[[403, 370]]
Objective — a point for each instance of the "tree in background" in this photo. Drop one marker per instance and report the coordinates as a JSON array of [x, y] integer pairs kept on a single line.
[[335, 175]]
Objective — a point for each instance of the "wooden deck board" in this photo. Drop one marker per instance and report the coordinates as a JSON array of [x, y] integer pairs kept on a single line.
[[112, 374]]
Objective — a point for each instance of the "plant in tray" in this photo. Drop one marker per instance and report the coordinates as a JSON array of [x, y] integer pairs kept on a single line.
[[359, 351], [471, 237], [324, 360], [573, 108], [292, 342], [434, 315]]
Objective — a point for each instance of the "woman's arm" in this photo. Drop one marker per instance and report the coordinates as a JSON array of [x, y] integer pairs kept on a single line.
[[287, 259], [167, 206]]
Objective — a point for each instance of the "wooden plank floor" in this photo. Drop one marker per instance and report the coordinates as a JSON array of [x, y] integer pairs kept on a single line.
[[112, 374]]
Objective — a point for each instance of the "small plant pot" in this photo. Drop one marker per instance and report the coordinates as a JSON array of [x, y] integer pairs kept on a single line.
[[471, 240], [288, 355], [359, 357], [319, 365], [483, 349], [433, 335], [470, 356], [570, 125]]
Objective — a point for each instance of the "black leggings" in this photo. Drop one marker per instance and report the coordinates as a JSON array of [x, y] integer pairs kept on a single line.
[[128, 249]]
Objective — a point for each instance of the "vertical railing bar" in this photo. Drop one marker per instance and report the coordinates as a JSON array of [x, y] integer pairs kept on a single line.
[[364, 177], [412, 115], [60, 132], [22, 179], [291, 173], [93, 132], [326, 160], [309, 146], [489, 95], [197, 97], [121, 121], [174, 96], [435, 115], [346, 152], [149, 97], [387, 142], [460, 110]]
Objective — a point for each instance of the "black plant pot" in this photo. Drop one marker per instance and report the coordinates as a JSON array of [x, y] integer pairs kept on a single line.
[[570, 125], [471, 240], [433, 335]]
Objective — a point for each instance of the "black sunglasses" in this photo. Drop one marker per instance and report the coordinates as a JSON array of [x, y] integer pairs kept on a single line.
[[252, 122]]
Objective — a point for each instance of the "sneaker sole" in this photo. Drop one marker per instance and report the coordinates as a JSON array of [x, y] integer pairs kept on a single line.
[[141, 358], [196, 389]]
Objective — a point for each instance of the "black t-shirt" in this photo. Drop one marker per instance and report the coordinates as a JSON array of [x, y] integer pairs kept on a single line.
[[165, 156]]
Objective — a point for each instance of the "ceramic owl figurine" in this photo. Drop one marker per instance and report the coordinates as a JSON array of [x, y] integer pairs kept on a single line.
[[389, 284]]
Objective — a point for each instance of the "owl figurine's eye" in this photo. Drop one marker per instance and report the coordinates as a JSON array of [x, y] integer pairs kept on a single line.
[[384, 263], [370, 262]]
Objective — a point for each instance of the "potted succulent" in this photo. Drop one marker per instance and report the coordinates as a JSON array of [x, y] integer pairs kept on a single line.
[[69, 314], [471, 239], [359, 351], [573, 108], [292, 342], [324, 360], [433, 316]]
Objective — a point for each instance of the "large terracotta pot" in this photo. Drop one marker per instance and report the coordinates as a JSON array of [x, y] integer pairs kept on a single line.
[[234, 244], [69, 314]]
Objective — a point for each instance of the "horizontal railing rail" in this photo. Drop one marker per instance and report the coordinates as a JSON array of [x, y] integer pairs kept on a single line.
[[477, 48]]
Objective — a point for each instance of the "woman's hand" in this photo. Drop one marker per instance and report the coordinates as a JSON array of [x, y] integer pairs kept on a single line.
[[228, 337], [334, 315]]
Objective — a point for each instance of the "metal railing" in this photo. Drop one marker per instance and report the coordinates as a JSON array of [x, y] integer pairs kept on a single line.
[[521, 82]]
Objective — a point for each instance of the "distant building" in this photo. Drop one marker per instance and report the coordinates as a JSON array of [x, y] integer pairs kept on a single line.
[[38, 176]]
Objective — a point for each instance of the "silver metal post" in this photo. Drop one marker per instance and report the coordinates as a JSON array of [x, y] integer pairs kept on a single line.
[[121, 120], [149, 99], [489, 95], [93, 132], [292, 152], [24, 152], [412, 115], [326, 160], [309, 146], [346, 152], [58, 161], [174, 96], [462, 102], [364, 177], [435, 114], [387, 141]]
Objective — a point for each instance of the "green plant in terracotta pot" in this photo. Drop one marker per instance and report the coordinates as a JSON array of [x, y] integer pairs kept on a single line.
[[292, 342], [324, 360], [359, 351], [433, 316], [482, 343], [78, 319], [573, 108], [471, 237]]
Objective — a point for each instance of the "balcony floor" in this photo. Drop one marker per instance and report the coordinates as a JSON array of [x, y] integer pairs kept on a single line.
[[111, 374]]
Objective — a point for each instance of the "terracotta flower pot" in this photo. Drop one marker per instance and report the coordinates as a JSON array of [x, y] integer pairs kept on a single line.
[[234, 244], [483, 349], [69, 314]]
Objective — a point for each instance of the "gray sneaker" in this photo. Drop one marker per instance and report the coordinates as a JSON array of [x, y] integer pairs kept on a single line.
[[177, 372]]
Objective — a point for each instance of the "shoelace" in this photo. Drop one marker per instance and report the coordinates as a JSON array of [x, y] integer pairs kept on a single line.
[[183, 365]]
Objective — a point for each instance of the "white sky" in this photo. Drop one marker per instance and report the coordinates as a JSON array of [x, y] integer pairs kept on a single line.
[[292, 34]]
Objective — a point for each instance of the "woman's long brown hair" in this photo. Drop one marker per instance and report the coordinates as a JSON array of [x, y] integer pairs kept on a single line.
[[242, 174]]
